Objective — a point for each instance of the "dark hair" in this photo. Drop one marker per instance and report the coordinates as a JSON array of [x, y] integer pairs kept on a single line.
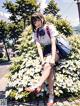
[[36, 16]]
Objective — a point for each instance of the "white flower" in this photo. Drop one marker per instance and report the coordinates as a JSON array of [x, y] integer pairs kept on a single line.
[[20, 73], [10, 84], [7, 93], [14, 76], [69, 82], [20, 89]]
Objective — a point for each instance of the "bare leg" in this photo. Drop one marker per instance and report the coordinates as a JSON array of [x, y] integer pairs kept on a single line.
[[45, 73], [48, 72], [50, 85], [51, 80]]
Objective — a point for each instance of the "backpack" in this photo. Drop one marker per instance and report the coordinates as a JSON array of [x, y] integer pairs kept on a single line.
[[62, 44]]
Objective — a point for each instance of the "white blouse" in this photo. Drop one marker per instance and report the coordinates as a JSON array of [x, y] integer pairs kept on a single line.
[[45, 40]]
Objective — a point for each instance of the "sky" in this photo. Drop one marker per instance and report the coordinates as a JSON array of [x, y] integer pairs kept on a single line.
[[68, 9]]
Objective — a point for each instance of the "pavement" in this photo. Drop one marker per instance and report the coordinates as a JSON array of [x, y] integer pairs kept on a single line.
[[4, 71], [4, 68]]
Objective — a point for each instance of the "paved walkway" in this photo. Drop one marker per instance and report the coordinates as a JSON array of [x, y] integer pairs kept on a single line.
[[4, 70]]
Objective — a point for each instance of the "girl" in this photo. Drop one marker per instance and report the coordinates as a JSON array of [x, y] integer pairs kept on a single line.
[[44, 35]]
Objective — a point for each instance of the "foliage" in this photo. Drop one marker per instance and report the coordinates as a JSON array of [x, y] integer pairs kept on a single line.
[[3, 30], [20, 13], [24, 77], [68, 76], [21, 10], [67, 73], [75, 41], [3, 35], [16, 64], [26, 44], [52, 8], [15, 30], [62, 25]]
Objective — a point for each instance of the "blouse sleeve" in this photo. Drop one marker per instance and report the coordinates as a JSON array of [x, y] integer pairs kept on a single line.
[[53, 30]]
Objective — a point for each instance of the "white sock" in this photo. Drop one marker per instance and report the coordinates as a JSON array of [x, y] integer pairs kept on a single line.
[[51, 99]]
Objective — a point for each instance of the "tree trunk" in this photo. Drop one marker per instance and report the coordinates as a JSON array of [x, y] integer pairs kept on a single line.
[[6, 50]]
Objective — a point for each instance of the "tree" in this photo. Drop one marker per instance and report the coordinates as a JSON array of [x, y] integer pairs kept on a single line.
[[21, 10], [52, 8], [14, 33], [3, 35], [15, 30]]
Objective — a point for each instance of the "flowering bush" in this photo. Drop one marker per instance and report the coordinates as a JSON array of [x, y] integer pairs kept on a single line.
[[67, 72], [16, 64], [62, 25], [29, 73]]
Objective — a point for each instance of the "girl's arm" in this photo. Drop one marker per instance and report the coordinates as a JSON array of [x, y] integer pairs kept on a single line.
[[53, 43], [40, 52]]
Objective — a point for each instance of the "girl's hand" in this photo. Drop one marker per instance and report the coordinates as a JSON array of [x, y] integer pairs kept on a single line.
[[43, 63]]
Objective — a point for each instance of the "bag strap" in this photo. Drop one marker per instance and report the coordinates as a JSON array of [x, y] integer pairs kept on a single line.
[[48, 32], [37, 34]]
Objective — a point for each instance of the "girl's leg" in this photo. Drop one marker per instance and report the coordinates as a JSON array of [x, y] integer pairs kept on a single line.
[[51, 81], [48, 71], [45, 73], [50, 85]]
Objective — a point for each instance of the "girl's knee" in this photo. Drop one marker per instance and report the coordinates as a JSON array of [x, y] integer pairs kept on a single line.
[[47, 66]]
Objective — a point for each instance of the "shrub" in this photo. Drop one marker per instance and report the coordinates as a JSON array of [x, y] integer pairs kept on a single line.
[[16, 64], [62, 25], [29, 70], [67, 73], [26, 44]]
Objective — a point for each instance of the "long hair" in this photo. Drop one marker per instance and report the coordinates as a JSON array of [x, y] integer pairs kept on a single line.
[[36, 16]]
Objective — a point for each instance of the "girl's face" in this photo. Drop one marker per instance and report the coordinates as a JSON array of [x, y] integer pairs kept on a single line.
[[38, 23]]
